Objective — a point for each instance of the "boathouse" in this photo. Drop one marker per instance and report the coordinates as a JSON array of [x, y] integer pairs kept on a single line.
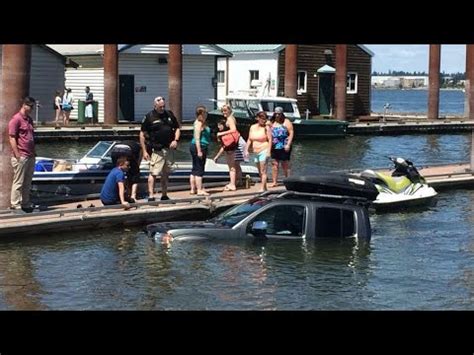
[[260, 70], [46, 76], [143, 75]]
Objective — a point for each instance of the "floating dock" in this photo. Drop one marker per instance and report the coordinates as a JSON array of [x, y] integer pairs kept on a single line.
[[122, 131], [66, 217]]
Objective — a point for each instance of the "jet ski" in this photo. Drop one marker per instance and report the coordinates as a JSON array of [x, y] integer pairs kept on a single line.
[[404, 187]]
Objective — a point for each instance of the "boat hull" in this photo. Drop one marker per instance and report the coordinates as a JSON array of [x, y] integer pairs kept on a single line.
[[303, 128], [49, 184]]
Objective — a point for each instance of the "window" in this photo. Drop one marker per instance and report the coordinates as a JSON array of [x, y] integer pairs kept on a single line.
[[301, 82], [334, 223], [220, 76], [269, 106], [254, 75], [352, 83], [283, 221]]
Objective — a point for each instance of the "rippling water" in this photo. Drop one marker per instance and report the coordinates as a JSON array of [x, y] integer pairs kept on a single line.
[[451, 102], [421, 259]]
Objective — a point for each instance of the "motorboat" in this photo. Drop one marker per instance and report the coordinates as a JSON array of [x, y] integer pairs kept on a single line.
[[403, 187], [245, 109], [55, 178]]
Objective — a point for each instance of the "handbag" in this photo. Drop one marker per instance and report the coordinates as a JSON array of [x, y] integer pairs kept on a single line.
[[230, 140]]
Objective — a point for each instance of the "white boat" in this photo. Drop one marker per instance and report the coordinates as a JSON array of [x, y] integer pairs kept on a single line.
[[56, 178]]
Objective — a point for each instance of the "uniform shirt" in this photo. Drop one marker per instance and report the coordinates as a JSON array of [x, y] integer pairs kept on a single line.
[[160, 128], [21, 127]]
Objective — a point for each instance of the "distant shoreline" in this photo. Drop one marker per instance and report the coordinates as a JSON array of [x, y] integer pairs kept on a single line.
[[415, 89]]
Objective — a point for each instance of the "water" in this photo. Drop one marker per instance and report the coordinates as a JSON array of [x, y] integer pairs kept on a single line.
[[451, 102], [415, 260]]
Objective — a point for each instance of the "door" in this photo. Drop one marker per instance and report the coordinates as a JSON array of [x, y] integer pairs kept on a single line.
[[126, 97], [325, 93], [283, 221]]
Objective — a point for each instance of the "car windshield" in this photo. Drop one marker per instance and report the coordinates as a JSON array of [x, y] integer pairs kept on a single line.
[[236, 214], [269, 106]]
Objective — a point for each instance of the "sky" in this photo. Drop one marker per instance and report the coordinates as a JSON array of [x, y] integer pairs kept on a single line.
[[414, 57]]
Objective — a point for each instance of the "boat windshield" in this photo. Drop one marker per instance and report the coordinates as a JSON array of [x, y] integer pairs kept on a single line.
[[235, 215], [238, 104], [269, 106], [99, 150]]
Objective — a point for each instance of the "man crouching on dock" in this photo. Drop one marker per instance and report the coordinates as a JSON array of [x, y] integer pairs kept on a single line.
[[113, 191]]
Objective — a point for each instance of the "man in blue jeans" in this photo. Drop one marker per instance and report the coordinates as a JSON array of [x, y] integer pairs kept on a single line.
[[113, 191]]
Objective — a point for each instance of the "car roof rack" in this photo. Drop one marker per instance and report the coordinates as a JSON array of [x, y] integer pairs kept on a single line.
[[321, 196]]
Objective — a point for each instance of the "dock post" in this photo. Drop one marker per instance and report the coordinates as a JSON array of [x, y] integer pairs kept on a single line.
[[341, 81], [16, 64], [110, 84], [175, 80], [470, 92], [433, 91], [291, 68]]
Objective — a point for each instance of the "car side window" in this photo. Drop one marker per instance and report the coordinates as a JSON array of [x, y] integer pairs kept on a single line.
[[334, 222], [283, 220]]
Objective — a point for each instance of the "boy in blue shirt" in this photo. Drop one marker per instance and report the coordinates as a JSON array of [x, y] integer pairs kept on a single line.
[[113, 191]]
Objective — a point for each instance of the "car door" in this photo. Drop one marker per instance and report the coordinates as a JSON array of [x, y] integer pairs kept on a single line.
[[284, 221]]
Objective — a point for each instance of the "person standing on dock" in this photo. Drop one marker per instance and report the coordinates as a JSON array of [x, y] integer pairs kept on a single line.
[[57, 107], [21, 137], [67, 107], [198, 150], [89, 110], [282, 139], [159, 137], [234, 166], [259, 141], [113, 191]]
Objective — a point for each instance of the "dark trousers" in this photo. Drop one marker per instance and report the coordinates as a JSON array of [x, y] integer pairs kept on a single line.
[[198, 163]]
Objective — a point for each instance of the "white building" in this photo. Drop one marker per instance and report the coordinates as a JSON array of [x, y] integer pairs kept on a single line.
[[253, 69], [46, 76], [143, 75], [392, 81]]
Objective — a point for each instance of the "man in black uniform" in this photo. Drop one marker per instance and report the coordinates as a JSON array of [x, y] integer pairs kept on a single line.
[[159, 136], [132, 151]]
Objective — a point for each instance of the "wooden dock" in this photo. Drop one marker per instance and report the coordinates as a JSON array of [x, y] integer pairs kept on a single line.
[[67, 217], [96, 132], [403, 126]]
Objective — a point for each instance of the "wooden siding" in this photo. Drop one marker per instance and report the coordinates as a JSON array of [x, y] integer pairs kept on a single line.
[[46, 76], [311, 58]]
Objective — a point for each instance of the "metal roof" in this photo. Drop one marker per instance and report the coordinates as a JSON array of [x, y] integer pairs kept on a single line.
[[77, 49], [235, 48]]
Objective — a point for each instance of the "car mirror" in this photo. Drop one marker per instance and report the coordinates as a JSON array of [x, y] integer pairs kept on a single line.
[[259, 228]]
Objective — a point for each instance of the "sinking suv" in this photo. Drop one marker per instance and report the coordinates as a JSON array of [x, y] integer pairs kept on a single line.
[[322, 206]]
